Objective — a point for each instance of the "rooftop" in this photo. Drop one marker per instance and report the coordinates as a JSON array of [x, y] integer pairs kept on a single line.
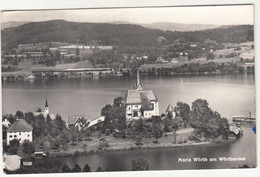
[[20, 126], [134, 96]]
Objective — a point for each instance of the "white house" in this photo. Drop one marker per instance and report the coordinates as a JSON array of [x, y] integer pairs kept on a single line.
[[6, 123], [140, 102], [19, 130]]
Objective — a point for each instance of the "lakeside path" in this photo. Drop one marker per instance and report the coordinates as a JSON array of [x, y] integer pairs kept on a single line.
[[119, 144]]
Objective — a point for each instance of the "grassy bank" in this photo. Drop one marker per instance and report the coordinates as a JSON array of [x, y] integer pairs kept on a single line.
[[119, 144]]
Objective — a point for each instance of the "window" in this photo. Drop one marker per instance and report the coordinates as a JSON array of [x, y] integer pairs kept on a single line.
[[129, 108], [19, 133], [15, 136], [10, 136], [28, 135]]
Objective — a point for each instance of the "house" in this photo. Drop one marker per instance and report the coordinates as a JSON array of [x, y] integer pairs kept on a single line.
[[11, 162], [183, 57], [170, 111], [77, 121], [6, 123], [96, 121], [140, 102], [248, 56], [19, 130]]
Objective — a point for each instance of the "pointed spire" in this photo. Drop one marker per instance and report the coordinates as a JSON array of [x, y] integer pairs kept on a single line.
[[169, 108], [138, 84], [46, 103]]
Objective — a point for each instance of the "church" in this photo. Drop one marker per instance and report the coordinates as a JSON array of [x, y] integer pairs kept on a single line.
[[46, 111], [140, 102]]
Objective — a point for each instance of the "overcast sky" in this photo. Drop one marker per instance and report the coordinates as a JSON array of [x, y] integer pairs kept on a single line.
[[218, 15]]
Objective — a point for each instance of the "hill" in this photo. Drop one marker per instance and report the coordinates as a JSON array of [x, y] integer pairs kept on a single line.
[[114, 34], [179, 26], [12, 24]]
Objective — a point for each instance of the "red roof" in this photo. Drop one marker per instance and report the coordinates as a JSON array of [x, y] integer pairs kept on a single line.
[[20, 126]]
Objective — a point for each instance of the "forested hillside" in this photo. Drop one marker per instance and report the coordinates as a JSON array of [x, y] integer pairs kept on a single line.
[[114, 34]]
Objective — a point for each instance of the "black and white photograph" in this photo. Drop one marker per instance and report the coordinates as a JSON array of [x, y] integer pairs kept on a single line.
[[128, 89]]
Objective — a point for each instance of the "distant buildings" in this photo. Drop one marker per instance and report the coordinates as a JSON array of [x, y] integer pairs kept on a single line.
[[19, 130], [140, 102], [77, 121], [248, 56]]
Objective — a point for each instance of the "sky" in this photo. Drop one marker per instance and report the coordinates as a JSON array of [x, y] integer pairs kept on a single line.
[[217, 15]]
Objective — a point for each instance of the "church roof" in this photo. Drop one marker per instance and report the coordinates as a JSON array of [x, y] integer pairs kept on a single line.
[[170, 108], [20, 126], [134, 96], [146, 103]]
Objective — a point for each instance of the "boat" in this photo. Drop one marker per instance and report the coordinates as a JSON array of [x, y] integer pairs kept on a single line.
[[242, 118], [39, 155]]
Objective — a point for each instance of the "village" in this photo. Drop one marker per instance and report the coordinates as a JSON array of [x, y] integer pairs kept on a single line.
[[132, 122], [65, 60]]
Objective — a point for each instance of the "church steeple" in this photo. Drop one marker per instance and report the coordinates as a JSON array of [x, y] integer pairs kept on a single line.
[[46, 103], [138, 84], [46, 109]]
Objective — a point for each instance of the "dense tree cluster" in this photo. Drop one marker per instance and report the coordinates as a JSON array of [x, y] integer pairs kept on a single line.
[[196, 68], [114, 115]]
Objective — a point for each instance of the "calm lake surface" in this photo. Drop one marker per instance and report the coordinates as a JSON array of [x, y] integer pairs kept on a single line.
[[229, 94]]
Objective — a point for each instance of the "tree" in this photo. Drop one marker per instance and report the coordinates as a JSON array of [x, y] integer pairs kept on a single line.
[[103, 143], [73, 137], [28, 147], [99, 169], [86, 168], [114, 116], [14, 146], [167, 125], [65, 168], [206, 122], [117, 101], [76, 168], [183, 111], [77, 51], [210, 56], [157, 127], [19, 114], [64, 139], [140, 164]]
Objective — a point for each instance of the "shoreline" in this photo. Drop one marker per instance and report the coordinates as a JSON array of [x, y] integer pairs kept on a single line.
[[17, 77], [156, 146]]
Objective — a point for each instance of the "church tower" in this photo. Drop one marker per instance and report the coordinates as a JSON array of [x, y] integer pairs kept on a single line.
[[46, 108], [138, 84]]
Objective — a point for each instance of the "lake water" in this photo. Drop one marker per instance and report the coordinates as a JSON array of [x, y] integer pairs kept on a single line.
[[229, 94]]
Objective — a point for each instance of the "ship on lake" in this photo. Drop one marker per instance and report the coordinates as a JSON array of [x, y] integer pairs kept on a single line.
[[243, 118]]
